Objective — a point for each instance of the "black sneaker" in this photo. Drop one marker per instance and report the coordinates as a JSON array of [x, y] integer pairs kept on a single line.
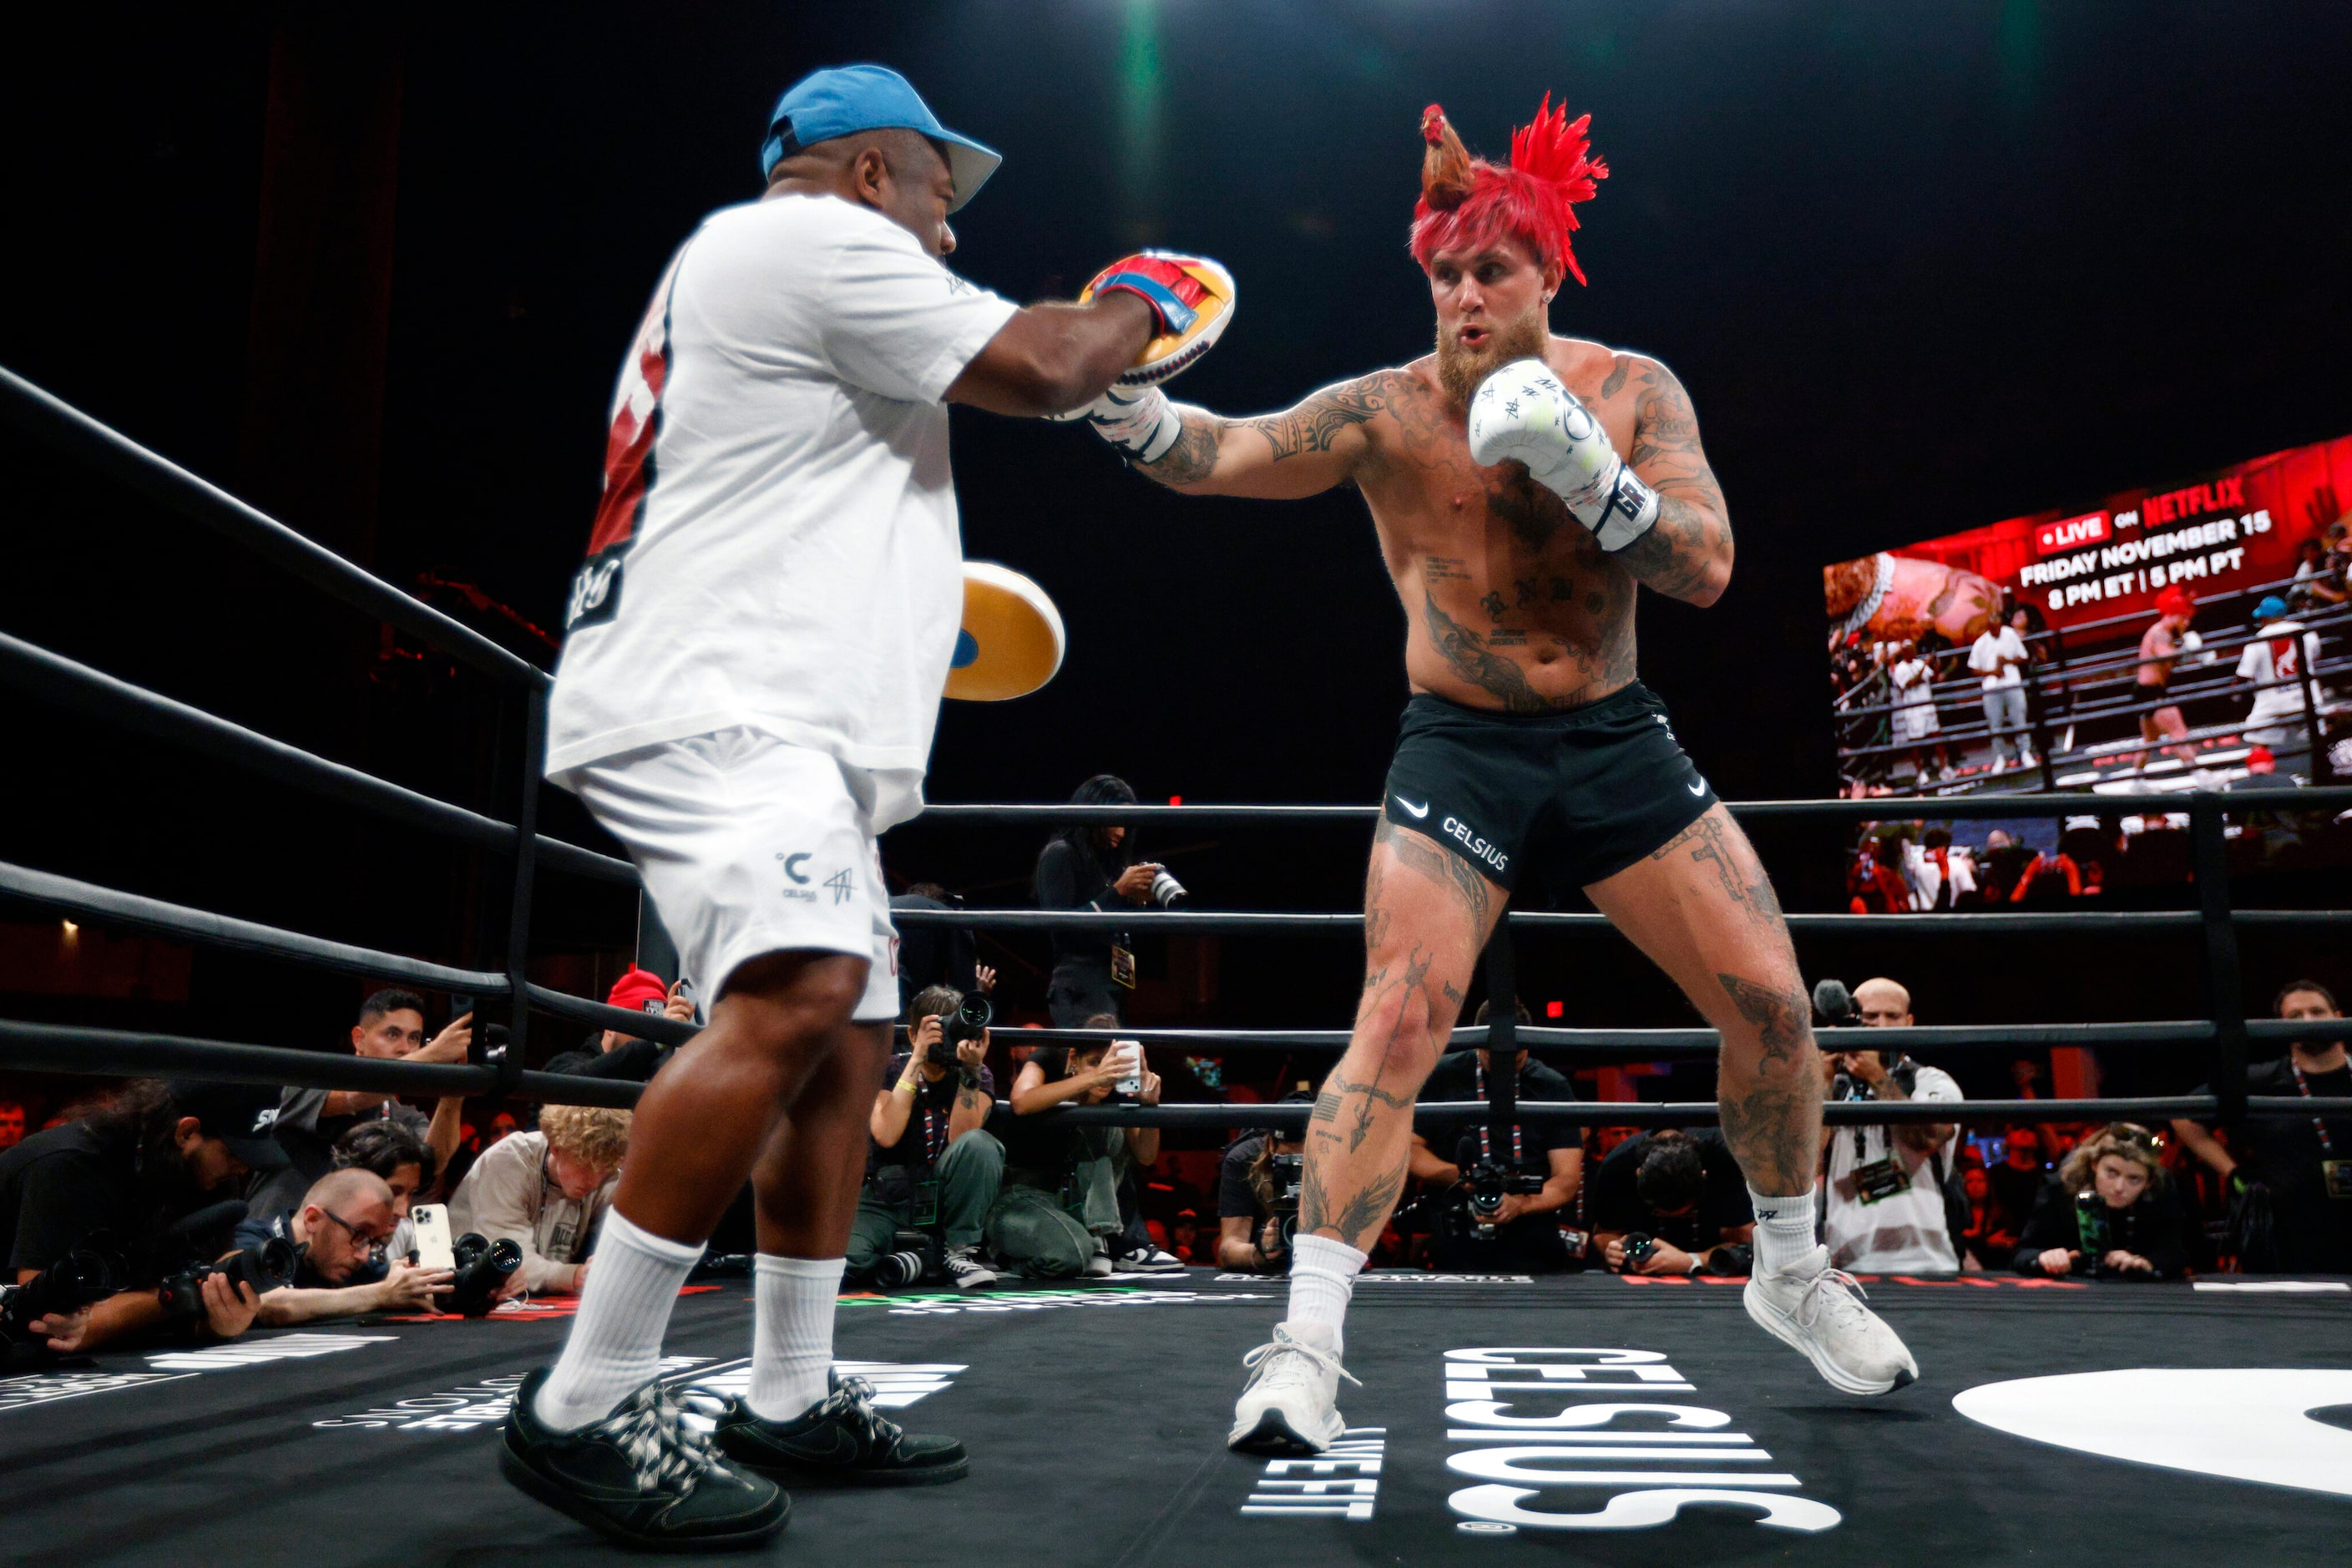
[[641, 1476], [843, 1441]]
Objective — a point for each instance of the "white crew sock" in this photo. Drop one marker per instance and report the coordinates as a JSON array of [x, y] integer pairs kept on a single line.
[[1322, 1275], [1784, 1231], [792, 1335], [615, 1342]]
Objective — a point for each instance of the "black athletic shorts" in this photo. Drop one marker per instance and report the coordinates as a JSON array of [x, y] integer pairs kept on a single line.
[[1590, 789]]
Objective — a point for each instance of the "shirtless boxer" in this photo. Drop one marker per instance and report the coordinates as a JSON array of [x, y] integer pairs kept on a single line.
[[1527, 733], [2162, 643], [751, 673]]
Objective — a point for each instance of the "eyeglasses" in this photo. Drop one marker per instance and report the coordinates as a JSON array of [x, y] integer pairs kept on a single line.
[[372, 1245]]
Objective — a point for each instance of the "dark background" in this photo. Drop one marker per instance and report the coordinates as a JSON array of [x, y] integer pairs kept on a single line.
[[1920, 265]]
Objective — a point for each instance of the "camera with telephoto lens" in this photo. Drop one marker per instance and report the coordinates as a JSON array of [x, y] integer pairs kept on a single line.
[[969, 1021], [483, 1266], [1166, 891], [268, 1264], [1486, 1184], [82, 1277]]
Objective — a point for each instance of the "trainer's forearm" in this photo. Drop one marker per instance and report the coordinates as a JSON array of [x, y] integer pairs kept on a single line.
[[1688, 555]]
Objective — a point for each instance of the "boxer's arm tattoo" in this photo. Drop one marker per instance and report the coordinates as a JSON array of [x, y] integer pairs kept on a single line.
[[1688, 555], [1467, 654], [1317, 424], [1194, 457], [1779, 1020]]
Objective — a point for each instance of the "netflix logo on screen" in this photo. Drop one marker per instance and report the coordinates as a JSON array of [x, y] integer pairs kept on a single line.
[[2069, 533]]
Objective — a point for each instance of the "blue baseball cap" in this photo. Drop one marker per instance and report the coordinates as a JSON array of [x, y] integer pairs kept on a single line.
[[844, 100], [2272, 608]]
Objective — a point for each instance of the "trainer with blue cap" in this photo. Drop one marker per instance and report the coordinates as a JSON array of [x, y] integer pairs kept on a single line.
[[2276, 662], [755, 652]]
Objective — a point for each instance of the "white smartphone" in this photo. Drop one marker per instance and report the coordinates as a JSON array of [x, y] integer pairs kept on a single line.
[[433, 1249], [1131, 1053]]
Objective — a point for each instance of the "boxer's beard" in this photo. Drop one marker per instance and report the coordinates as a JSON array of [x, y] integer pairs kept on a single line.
[[1460, 369]]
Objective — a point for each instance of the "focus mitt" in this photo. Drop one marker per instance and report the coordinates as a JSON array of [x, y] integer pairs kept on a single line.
[[1011, 642], [1191, 297]]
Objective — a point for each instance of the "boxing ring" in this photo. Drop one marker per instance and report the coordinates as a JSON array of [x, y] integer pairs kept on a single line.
[[1096, 1412]]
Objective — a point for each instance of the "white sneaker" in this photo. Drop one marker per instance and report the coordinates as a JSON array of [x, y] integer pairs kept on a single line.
[[1099, 1265], [1821, 1314], [1150, 1261], [1290, 1403], [967, 1270]]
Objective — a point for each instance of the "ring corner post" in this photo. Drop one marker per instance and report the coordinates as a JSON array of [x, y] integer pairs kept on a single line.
[[2224, 989], [1501, 1034], [526, 864]]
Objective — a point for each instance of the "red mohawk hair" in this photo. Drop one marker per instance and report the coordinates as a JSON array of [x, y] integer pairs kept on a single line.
[[1533, 201]]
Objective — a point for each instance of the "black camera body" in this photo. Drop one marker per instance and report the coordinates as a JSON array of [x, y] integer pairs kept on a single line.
[[483, 1266], [268, 1264], [1286, 1174], [1485, 1185], [83, 1277], [969, 1021]]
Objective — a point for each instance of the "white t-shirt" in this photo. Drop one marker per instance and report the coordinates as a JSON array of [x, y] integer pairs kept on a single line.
[[1906, 1232], [1915, 682], [1985, 656], [2272, 657], [777, 545]]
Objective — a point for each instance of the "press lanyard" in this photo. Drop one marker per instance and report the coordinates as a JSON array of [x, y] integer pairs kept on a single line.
[[1486, 1148], [2326, 1144], [931, 1135]]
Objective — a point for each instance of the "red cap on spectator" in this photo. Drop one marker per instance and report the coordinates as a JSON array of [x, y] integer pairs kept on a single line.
[[640, 991], [2261, 761]]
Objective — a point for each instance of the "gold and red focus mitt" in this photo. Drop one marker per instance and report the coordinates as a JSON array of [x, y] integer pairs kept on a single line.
[[1192, 299]]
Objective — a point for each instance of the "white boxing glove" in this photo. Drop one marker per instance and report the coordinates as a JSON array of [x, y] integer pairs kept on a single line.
[[1138, 420], [1523, 412]]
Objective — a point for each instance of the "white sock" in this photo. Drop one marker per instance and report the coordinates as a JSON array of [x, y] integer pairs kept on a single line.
[[1322, 1275], [792, 1336], [1784, 1230], [615, 1342]]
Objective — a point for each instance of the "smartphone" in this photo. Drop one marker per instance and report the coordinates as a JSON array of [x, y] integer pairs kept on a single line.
[[1130, 1052], [433, 1249]]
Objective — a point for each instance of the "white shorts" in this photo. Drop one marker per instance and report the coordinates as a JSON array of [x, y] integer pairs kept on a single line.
[[748, 845], [1917, 721]]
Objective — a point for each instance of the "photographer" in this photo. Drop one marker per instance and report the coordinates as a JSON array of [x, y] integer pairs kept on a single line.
[[546, 1192], [2107, 1213], [1258, 1192], [1892, 1193], [341, 1231], [932, 1167], [1509, 1216], [1672, 1202], [2291, 1175], [393, 1153], [1094, 870], [391, 1027], [118, 1182], [632, 1058], [1061, 1212]]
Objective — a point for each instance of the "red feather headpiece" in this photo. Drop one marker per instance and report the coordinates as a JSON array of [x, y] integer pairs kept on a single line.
[[1469, 203]]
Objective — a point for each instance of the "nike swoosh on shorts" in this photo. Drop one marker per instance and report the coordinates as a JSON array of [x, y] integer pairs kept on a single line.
[[1418, 811], [1698, 788]]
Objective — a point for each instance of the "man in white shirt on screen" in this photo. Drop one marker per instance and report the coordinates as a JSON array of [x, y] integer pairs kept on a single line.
[[2276, 660], [1999, 656], [754, 659]]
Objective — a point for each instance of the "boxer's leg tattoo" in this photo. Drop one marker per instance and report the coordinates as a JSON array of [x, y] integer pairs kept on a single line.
[[1781, 1021], [1713, 844], [1774, 1133], [1357, 1219]]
